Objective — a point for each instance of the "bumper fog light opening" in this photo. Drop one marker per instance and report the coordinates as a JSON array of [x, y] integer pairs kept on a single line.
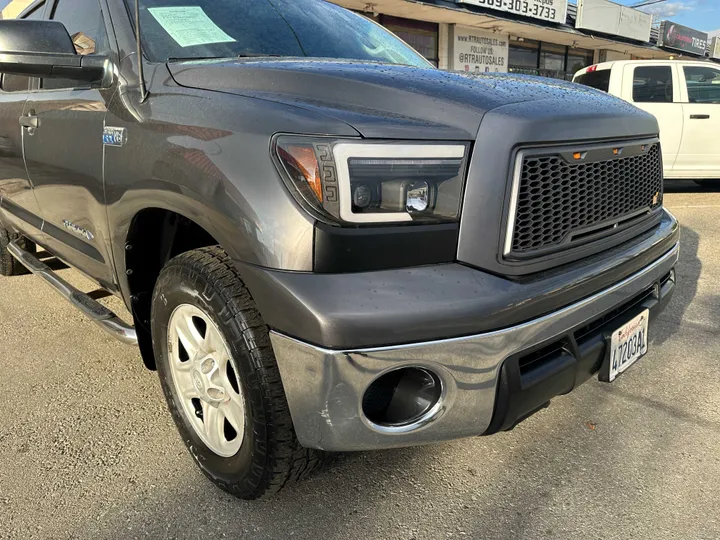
[[402, 397]]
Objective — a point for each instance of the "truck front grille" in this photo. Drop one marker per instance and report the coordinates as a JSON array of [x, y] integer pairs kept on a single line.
[[560, 203]]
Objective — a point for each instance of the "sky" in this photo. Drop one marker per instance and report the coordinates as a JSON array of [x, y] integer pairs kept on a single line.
[[702, 15]]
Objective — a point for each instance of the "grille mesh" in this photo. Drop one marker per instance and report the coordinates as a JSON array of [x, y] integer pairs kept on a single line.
[[556, 199]]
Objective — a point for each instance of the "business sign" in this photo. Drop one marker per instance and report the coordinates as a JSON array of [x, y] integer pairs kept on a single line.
[[547, 10], [478, 51], [682, 38], [610, 18], [715, 48]]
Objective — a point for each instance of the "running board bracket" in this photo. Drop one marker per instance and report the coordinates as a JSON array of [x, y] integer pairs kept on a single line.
[[94, 310]]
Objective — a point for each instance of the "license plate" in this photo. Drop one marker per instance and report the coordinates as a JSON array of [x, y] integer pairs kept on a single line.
[[628, 344]]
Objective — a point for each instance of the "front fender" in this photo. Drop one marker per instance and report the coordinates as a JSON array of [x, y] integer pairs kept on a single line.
[[228, 220], [206, 156]]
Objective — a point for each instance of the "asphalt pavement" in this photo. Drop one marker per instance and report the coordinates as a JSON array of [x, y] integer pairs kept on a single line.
[[88, 449]]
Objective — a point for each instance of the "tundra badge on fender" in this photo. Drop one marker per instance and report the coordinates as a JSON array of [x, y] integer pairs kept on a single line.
[[114, 136]]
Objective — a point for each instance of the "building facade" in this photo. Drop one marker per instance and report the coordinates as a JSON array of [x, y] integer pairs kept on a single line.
[[552, 38]]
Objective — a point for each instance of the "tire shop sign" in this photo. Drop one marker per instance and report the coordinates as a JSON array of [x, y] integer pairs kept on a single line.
[[682, 38]]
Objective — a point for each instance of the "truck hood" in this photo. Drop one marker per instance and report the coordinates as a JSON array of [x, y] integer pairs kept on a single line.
[[385, 101]]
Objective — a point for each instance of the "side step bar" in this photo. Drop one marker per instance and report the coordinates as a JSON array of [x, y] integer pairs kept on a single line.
[[99, 314]]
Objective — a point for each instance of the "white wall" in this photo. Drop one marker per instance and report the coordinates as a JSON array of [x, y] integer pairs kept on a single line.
[[444, 46], [607, 55]]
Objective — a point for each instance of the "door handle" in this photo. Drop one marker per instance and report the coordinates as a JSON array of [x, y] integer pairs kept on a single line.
[[699, 117], [30, 121]]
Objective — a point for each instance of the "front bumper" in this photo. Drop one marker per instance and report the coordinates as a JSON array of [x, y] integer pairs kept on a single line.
[[489, 381]]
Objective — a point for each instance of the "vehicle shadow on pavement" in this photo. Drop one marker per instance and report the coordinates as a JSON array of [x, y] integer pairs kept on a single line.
[[507, 487], [551, 477], [347, 488], [688, 271], [689, 186], [668, 410], [51, 261]]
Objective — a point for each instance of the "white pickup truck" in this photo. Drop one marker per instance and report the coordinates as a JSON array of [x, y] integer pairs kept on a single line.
[[684, 96]]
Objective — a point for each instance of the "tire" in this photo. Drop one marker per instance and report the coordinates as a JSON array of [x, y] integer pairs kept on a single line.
[[269, 456], [9, 265]]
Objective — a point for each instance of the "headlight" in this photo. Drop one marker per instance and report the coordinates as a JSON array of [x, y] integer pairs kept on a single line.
[[356, 182]]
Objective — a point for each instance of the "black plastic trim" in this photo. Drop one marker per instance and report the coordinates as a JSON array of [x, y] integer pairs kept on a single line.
[[545, 123], [535, 262], [340, 250], [529, 380], [21, 213], [624, 225], [72, 241]]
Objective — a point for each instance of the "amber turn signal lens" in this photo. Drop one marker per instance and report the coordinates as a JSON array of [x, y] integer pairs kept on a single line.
[[305, 163], [577, 155]]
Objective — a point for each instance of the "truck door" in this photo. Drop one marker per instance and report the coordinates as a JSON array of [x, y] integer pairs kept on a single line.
[[18, 201], [699, 155], [656, 89], [64, 153]]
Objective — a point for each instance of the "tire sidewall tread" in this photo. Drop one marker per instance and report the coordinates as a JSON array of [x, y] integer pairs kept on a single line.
[[270, 455], [9, 265]]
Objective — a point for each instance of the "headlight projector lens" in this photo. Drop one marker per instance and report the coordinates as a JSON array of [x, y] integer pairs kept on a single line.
[[362, 196], [418, 197]]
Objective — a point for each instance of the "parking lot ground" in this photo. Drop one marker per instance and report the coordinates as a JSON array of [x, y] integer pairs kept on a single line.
[[88, 450]]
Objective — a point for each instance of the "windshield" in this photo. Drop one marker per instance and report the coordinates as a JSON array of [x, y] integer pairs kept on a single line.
[[183, 29]]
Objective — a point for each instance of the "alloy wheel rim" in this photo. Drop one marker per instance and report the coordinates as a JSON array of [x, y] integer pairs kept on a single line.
[[205, 380]]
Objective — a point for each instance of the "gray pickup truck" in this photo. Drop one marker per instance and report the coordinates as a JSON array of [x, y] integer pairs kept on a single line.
[[325, 243]]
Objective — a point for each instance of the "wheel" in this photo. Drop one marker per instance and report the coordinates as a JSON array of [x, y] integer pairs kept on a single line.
[[220, 377], [9, 265]]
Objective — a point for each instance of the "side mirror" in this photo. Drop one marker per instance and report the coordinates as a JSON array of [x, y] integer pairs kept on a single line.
[[45, 49]]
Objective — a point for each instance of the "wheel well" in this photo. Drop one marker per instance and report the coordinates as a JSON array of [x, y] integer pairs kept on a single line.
[[155, 237]]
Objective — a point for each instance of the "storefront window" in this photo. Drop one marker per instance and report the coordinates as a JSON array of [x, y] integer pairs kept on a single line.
[[523, 54], [421, 36], [547, 59], [552, 57], [578, 59]]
